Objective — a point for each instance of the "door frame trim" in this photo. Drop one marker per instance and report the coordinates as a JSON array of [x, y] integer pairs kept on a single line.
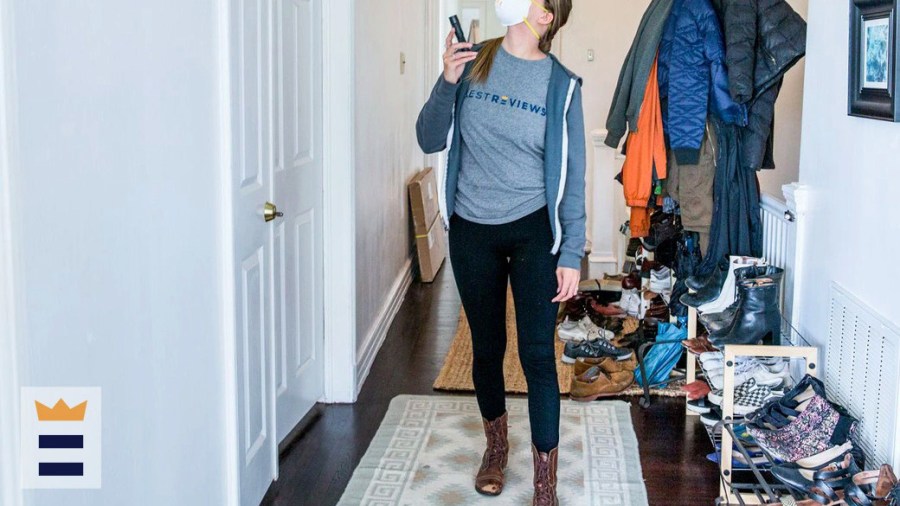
[[10, 489], [339, 220], [227, 295]]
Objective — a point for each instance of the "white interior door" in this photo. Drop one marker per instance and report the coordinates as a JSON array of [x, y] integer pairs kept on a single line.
[[297, 51], [251, 29]]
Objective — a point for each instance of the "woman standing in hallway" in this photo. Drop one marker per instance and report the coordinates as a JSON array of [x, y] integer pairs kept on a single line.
[[514, 199]]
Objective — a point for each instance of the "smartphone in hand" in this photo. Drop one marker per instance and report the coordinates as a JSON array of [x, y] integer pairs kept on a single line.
[[457, 27]]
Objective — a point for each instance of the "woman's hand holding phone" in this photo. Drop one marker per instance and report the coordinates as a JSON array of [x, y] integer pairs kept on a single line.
[[456, 57]]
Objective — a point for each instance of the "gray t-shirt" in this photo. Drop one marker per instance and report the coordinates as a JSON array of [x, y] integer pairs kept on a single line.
[[502, 123]]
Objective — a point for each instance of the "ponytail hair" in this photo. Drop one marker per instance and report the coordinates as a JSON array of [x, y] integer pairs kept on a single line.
[[560, 10], [481, 68]]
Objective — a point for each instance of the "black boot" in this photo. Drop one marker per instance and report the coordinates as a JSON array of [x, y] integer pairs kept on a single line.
[[757, 318], [717, 322], [710, 289], [697, 283]]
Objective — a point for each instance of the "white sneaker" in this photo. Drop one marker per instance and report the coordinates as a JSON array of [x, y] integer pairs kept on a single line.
[[742, 371], [711, 355], [726, 296], [574, 330], [661, 281], [583, 329], [630, 302], [599, 333]]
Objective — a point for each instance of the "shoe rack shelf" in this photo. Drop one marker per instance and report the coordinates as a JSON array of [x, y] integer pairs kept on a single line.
[[746, 486], [730, 490]]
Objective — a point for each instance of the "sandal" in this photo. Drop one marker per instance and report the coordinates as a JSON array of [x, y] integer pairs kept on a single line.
[[877, 485]]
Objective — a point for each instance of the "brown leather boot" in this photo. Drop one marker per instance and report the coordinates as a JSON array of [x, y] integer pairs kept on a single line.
[[490, 477], [545, 477]]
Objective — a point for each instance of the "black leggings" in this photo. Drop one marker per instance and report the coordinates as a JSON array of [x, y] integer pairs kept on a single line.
[[485, 258]]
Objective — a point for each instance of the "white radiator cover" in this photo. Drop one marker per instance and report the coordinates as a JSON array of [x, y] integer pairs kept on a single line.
[[862, 373], [779, 246]]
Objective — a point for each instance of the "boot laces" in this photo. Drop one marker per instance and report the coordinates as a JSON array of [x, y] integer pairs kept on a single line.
[[495, 452], [543, 494], [496, 446]]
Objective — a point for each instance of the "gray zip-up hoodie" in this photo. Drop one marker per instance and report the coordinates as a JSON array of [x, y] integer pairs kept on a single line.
[[629, 94], [564, 154]]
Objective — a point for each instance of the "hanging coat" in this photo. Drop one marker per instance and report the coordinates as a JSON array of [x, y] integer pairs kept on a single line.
[[764, 39], [693, 79], [645, 158]]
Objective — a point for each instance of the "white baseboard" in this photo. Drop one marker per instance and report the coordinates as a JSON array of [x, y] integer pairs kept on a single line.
[[603, 263], [378, 332]]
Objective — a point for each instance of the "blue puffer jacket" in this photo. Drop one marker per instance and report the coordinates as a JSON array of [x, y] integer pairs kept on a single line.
[[693, 78]]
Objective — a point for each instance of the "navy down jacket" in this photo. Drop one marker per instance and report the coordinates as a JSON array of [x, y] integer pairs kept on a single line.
[[693, 78]]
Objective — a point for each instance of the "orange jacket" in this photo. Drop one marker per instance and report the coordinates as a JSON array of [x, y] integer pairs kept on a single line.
[[646, 149]]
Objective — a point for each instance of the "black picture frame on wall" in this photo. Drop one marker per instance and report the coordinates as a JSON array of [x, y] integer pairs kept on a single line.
[[874, 48]]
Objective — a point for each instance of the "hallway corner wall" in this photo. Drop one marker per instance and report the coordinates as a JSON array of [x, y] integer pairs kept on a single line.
[[850, 166], [788, 125], [387, 155], [116, 211]]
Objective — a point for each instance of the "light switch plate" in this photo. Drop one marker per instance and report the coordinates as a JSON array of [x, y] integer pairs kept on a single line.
[[590, 55], [402, 63]]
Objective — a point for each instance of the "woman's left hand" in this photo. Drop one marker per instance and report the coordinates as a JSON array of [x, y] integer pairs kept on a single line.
[[568, 280]]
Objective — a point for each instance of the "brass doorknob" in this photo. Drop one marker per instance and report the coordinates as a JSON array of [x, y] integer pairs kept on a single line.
[[270, 212]]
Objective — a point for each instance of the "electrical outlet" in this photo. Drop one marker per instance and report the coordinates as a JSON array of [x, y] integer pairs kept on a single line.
[[402, 63], [590, 55]]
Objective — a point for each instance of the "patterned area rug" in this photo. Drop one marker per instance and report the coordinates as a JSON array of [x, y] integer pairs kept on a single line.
[[456, 373], [428, 448]]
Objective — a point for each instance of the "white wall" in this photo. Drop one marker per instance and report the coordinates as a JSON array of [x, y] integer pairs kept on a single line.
[[851, 167], [116, 200], [788, 125], [387, 154]]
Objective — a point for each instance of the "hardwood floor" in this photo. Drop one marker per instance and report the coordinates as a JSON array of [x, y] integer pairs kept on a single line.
[[316, 467]]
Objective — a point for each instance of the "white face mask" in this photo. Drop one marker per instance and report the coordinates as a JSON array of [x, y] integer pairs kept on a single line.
[[513, 12]]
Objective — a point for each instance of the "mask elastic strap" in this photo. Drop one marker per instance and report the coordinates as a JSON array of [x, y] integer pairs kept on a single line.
[[535, 32], [528, 23]]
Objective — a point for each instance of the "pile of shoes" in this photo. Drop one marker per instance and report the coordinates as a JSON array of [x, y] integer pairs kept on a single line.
[[738, 303], [613, 316], [595, 378], [756, 382], [811, 440], [589, 326]]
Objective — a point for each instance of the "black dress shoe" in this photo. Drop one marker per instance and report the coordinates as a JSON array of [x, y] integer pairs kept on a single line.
[[710, 289], [756, 319]]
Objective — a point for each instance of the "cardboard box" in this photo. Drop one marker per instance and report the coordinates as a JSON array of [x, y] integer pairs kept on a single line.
[[423, 198], [432, 250]]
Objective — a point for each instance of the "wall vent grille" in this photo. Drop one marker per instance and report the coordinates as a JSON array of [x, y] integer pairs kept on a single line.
[[862, 372]]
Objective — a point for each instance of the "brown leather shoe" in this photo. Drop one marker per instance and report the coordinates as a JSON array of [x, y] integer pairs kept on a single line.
[[608, 364], [698, 345], [545, 477], [631, 281], [490, 477], [596, 383], [607, 310]]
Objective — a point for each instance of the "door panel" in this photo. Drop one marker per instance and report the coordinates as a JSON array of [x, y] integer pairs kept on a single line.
[[252, 168], [298, 192]]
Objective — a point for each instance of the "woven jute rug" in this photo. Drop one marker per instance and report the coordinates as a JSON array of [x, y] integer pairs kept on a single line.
[[427, 450], [456, 373]]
